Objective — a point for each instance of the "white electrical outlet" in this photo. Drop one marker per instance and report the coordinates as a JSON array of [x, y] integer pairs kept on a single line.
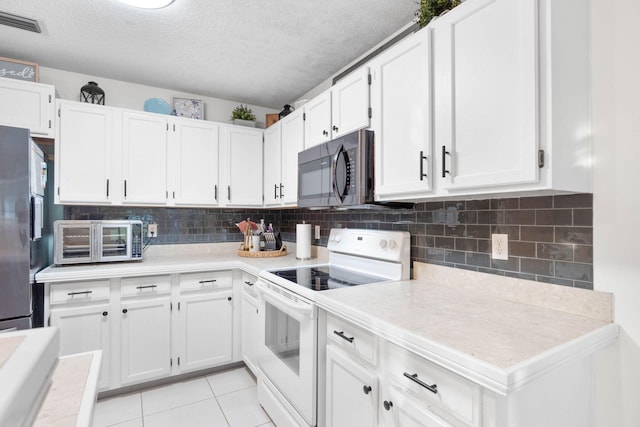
[[500, 246], [317, 232], [152, 230]]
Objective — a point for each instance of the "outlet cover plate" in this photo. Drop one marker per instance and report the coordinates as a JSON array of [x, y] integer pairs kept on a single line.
[[500, 246], [152, 230]]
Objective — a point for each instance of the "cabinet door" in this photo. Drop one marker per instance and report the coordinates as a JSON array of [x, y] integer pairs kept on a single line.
[[350, 103], [145, 347], [317, 120], [83, 153], [243, 160], [144, 158], [250, 326], [27, 105], [292, 143], [272, 165], [194, 162], [206, 330], [352, 392], [85, 329], [398, 410], [486, 93], [401, 100]]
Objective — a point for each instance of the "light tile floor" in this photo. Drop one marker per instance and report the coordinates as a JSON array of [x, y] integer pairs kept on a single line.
[[223, 399]]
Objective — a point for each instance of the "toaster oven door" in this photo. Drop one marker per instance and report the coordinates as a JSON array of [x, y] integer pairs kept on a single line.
[[114, 243], [74, 243]]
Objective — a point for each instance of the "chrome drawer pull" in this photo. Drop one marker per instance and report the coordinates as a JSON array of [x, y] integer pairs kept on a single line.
[[146, 286], [414, 378], [202, 282], [79, 293], [343, 336]]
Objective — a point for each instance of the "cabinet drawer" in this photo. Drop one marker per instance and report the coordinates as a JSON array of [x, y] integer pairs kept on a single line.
[[211, 280], [145, 286], [351, 338], [79, 292], [451, 396]]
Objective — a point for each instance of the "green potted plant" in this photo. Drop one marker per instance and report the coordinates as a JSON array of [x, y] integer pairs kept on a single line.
[[429, 9], [242, 115]]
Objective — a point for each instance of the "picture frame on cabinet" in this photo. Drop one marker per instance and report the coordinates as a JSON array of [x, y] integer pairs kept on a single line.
[[188, 107], [18, 70]]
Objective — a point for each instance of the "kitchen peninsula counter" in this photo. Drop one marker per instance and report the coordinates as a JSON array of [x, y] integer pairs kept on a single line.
[[498, 332]]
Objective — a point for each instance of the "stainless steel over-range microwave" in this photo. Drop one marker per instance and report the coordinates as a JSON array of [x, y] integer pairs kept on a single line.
[[97, 241], [338, 172]]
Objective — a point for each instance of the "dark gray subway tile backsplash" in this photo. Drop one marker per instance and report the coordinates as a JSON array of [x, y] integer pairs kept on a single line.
[[550, 237]]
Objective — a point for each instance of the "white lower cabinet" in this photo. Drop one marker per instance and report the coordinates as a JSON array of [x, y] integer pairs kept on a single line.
[[85, 328], [351, 378], [415, 391], [145, 340], [205, 331], [149, 327], [352, 392], [402, 411], [250, 323]]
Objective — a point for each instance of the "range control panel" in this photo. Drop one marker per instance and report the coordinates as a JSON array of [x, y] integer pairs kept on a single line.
[[379, 244]]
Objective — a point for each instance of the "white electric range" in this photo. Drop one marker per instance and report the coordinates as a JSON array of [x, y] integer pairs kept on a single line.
[[287, 358]]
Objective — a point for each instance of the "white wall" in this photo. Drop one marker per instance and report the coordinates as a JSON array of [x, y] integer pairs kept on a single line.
[[132, 96], [616, 139]]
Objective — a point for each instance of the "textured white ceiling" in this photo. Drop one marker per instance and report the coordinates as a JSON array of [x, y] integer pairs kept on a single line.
[[262, 52]]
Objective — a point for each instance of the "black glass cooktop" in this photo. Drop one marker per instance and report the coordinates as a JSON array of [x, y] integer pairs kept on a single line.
[[326, 277]]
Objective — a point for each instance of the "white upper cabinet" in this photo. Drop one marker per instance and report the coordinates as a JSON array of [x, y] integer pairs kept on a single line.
[[292, 144], [350, 103], [27, 105], [486, 70], [84, 148], [242, 160], [340, 110], [272, 164], [401, 101], [317, 120], [282, 143], [511, 97], [193, 162], [144, 158]]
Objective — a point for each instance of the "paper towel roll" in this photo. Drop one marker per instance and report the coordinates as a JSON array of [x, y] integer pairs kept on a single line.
[[303, 241]]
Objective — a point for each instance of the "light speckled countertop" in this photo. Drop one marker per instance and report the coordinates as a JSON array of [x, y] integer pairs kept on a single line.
[[497, 342], [499, 332], [168, 259]]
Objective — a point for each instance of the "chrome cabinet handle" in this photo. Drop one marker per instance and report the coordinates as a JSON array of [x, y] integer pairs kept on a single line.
[[432, 388], [343, 336]]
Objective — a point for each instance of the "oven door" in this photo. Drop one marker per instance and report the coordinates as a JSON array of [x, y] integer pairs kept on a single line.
[[287, 353]]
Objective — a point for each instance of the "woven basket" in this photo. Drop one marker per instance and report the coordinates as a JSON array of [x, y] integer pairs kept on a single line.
[[262, 254]]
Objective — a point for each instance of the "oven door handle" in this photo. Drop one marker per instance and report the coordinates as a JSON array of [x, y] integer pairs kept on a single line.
[[297, 310]]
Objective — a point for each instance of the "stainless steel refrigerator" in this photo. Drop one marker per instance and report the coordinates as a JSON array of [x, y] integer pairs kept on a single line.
[[22, 252]]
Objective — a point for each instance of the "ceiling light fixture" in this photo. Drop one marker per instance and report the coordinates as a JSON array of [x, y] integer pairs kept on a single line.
[[148, 4]]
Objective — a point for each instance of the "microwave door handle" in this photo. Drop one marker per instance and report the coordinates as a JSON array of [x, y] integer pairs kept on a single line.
[[334, 171]]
